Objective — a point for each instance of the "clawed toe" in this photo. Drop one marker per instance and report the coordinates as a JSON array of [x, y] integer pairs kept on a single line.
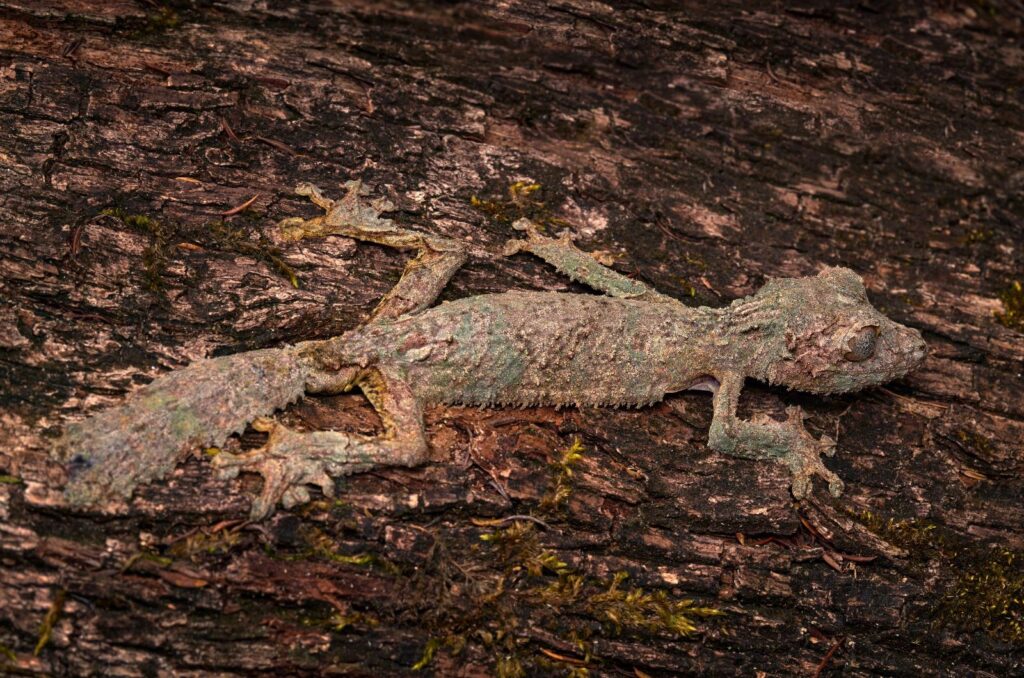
[[805, 463], [315, 196], [289, 462], [513, 247], [835, 486], [226, 465], [297, 228], [805, 457], [294, 496]]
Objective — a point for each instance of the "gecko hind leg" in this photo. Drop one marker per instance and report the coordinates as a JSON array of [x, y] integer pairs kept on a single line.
[[290, 460], [355, 217]]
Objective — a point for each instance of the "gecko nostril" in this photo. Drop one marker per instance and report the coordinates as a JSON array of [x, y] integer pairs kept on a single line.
[[920, 351]]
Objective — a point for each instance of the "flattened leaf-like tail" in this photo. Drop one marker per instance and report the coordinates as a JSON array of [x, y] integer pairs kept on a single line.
[[112, 452]]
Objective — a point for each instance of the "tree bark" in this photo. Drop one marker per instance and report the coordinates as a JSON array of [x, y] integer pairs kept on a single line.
[[705, 146]]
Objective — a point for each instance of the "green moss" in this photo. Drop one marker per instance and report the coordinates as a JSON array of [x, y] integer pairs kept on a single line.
[[319, 544], [509, 666], [52, 615], [225, 237], [1012, 315], [977, 443], [429, 650], [340, 622], [920, 537], [981, 587], [154, 257], [560, 487], [163, 17], [10, 480], [515, 583], [162, 20], [696, 261], [162, 561], [168, 238], [522, 203], [977, 235], [204, 543], [512, 582], [654, 612], [988, 596]]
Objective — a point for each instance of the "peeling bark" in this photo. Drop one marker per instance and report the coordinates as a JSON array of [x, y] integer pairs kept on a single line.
[[703, 147]]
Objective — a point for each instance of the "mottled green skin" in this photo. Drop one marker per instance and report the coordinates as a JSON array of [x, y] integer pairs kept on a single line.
[[540, 348], [627, 347], [549, 348]]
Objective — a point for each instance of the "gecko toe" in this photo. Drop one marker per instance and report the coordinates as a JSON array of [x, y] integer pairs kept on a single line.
[[801, 486], [827, 446], [226, 465], [294, 496], [513, 247], [836, 486], [325, 483], [804, 460], [261, 509]]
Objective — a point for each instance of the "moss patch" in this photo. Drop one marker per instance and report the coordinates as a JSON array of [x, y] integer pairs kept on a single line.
[[52, 615], [988, 596], [202, 543], [168, 238], [560, 487], [162, 19], [517, 585], [523, 202], [154, 257], [497, 597], [1012, 315], [982, 587]]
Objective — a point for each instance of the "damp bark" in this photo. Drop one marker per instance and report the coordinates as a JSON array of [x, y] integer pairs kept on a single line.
[[701, 149]]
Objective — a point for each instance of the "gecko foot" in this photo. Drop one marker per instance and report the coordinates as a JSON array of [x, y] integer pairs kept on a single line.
[[533, 236], [804, 457], [354, 212], [287, 464]]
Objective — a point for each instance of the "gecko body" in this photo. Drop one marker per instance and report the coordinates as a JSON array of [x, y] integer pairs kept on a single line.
[[628, 346]]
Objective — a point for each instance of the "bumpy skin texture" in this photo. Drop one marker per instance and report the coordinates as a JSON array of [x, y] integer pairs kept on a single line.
[[627, 348]]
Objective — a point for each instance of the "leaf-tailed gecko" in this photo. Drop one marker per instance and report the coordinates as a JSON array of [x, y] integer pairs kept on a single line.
[[628, 346]]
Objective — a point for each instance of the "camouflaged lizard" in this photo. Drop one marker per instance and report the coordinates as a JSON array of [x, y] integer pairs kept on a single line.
[[627, 347]]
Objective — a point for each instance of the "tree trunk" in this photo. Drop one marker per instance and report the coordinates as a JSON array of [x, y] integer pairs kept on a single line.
[[704, 146]]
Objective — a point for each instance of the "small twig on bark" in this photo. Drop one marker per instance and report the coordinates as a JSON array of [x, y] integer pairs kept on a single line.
[[240, 208], [828, 655]]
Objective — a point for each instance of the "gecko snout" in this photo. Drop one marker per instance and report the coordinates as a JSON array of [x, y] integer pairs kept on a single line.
[[920, 351], [909, 351], [915, 346]]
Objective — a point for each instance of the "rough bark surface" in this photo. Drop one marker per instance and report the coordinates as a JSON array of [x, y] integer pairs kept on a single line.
[[705, 146]]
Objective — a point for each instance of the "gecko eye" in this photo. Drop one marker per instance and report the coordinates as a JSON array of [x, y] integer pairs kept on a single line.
[[861, 345]]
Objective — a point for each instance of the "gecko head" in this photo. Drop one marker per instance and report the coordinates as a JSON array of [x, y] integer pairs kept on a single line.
[[828, 338]]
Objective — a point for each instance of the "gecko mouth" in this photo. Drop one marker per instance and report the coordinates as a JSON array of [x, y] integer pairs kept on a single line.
[[704, 383]]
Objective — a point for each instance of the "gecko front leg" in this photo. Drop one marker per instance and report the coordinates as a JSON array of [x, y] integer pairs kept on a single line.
[[582, 267], [354, 216], [787, 441]]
